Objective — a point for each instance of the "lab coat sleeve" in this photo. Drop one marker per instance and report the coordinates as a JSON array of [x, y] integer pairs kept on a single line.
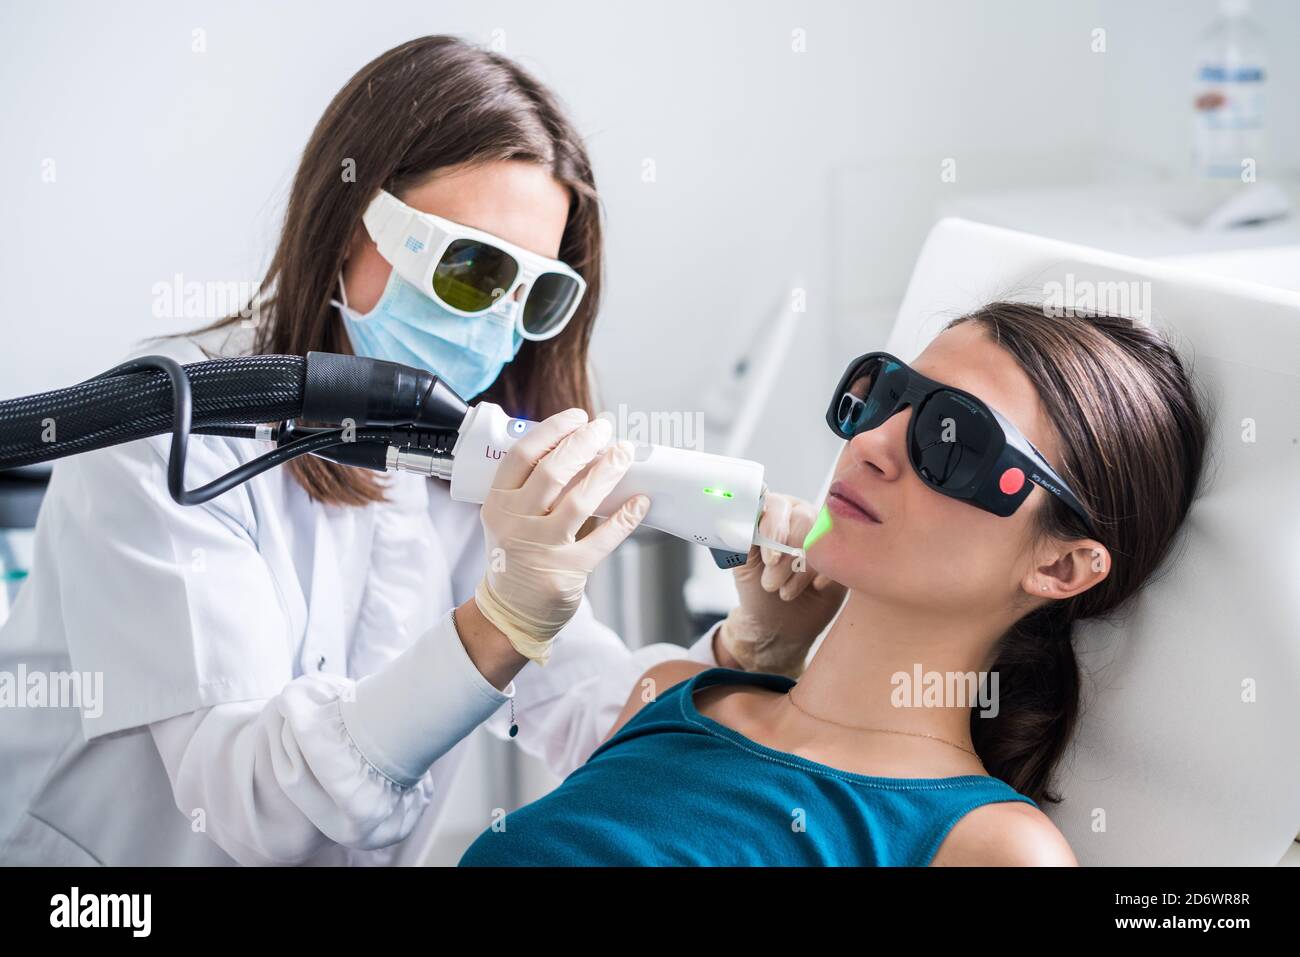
[[326, 761], [565, 709]]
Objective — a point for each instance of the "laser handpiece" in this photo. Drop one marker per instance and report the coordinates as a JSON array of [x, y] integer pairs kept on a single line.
[[712, 500]]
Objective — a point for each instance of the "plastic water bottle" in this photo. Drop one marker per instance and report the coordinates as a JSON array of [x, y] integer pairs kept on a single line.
[[1229, 97]]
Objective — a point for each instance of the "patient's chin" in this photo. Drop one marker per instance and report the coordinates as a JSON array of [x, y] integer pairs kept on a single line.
[[841, 561]]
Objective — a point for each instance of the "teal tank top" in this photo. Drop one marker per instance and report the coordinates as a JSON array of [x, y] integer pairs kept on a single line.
[[675, 787]]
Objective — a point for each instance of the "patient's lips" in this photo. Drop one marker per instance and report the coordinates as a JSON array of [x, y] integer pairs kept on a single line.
[[845, 502]]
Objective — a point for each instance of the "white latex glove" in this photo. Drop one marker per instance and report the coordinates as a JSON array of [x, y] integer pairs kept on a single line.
[[783, 606], [537, 567]]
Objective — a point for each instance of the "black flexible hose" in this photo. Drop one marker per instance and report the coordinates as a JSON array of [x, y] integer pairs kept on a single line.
[[150, 395], [181, 422], [136, 400]]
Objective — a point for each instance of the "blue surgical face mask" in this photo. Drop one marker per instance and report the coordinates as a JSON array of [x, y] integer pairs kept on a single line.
[[406, 326]]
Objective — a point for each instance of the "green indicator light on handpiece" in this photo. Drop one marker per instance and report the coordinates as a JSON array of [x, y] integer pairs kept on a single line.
[[718, 491]]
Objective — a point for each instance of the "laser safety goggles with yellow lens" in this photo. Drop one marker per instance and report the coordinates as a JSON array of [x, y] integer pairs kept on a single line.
[[468, 271]]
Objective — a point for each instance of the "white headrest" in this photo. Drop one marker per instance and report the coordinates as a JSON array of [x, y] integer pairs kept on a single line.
[[1187, 748]]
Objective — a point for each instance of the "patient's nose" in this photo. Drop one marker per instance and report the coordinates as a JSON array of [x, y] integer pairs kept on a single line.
[[884, 447]]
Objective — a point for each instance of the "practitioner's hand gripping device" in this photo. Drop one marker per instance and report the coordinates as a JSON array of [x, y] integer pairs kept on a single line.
[[366, 413], [711, 500]]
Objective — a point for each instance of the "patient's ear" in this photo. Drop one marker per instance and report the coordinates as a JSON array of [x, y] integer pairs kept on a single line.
[[1064, 569]]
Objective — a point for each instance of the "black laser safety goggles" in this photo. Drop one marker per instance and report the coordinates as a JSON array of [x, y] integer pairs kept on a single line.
[[957, 444]]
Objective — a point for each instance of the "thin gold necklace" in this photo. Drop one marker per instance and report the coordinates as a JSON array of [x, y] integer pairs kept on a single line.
[[853, 727]]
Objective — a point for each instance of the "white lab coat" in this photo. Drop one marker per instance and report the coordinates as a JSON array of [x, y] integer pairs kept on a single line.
[[281, 681]]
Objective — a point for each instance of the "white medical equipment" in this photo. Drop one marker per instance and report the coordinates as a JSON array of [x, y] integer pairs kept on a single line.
[[712, 500], [1186, 750]]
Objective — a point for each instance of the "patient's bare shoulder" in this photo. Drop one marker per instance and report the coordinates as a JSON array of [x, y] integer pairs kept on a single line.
[[1006, 834], [653, 683]]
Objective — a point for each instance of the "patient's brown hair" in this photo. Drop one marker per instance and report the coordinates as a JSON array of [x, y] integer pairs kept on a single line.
[[1133, 436]]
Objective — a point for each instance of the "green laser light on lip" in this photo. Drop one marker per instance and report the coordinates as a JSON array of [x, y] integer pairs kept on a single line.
[[820, 528]]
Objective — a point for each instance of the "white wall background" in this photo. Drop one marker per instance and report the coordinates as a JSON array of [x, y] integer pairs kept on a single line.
[[169, 161]]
